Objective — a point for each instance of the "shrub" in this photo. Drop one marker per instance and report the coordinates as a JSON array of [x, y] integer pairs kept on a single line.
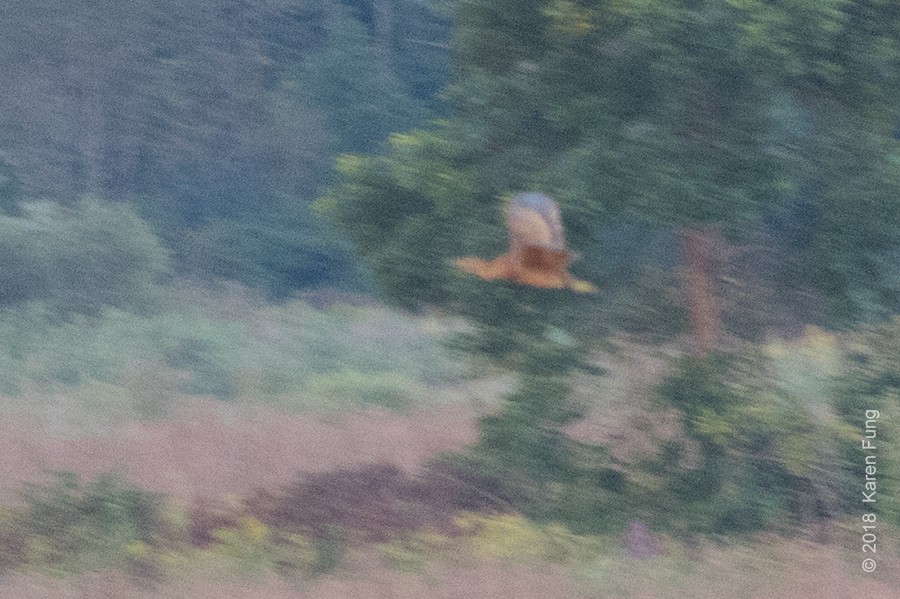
[[341, 389], [70, 526], [514, 536], [806, 368], [503, 535], [279, 253], [67, 526], [253, 546], [869, 395], [82, 259], [412, 552], [760, 454], [207, 361], [228, 347]]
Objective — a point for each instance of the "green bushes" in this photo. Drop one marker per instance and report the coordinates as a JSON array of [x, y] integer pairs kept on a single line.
[[872, 378], [202, 343], [67, 526], [867, 401], [348, 387], [758, 447], [651, 308], [753, 453], [277, 253], [753, 457], [46, 353], [82, 259]]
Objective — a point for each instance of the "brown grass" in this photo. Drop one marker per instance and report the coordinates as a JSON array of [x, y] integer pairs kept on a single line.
[[485, 581], [207, 450], [766, 568], [772, 569]]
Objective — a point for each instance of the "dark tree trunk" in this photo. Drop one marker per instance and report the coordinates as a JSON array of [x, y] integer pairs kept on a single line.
[[703, 307]]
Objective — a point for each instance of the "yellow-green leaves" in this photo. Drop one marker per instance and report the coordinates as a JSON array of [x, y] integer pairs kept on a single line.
[[568, 18]]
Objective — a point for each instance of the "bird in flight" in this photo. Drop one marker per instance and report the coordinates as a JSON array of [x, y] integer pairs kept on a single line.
[[538, 255]]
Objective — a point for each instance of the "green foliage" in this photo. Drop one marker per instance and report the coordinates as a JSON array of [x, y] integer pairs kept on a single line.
[[807, 368], [511, 536], [492, 537], [360, 94], [872, 379], [687, 114], [68, 526], [525, 449], [49, 353], [251, 546], [292, 355], [83, 259], [206, 348], [854, 252], [675, 110], [541, 471], [755, 457], [226, 113], [329, 552], [652, 307], [805, 43], [868, 395], [412, 198], [492, 35], [413, 552], [345, 94], [699, 393], [276, 256], [345, 388]]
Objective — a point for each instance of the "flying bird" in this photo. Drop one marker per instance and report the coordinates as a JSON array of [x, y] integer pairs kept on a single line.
[[538, 255]]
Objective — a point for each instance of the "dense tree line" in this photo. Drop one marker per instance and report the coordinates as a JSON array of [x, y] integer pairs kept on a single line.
[[738, 119], [218, 120]]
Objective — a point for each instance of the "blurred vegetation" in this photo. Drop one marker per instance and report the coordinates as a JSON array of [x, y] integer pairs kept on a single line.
[[81, 259], [218, 121], [68, 526], [145, 145], [293, 355], [696, 115], [760, 458], [747, 120], [870, 386]]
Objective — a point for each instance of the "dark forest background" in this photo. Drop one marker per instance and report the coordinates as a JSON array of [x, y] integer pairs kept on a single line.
[[216, 122]]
